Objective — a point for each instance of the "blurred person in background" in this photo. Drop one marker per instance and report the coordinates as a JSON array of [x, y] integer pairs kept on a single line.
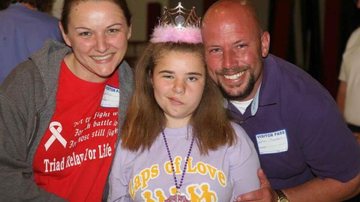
[[348, 96], [24, 28]]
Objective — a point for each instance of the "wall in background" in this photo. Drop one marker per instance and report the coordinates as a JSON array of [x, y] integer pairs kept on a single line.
[[309, 33], [139, 10]]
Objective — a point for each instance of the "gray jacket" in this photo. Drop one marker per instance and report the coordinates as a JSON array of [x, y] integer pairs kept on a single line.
[[27, 103]]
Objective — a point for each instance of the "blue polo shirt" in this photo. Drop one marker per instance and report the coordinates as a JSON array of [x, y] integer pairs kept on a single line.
[[297, 129], [23, 31]]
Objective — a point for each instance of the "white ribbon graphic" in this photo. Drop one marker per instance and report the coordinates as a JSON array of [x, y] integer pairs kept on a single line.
[[55, 135]]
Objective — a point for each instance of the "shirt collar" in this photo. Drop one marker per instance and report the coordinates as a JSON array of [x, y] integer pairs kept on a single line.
[[270, 86], [268, 92]]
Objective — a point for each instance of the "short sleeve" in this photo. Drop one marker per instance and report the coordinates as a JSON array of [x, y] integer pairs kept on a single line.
[[119, 177], [244, 163]]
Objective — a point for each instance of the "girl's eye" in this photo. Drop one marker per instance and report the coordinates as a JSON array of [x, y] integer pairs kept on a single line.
[[167, 76], [193, 78]]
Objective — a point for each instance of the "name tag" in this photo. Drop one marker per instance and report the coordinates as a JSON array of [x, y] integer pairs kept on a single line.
[[111, 97], [273, 142]]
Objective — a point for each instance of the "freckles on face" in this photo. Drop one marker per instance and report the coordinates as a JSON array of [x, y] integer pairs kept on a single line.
[[98, 35], [178, 82]]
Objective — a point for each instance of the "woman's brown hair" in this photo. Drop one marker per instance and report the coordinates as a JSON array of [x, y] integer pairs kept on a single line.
[[68, 4]]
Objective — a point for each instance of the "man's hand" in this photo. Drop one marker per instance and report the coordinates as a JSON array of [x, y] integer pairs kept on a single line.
[[264, 194], [357, 136]]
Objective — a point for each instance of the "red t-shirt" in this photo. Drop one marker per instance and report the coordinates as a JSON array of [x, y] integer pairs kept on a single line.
[[75, 154]]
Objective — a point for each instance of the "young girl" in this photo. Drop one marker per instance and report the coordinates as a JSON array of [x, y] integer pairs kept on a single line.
[[177, 143]]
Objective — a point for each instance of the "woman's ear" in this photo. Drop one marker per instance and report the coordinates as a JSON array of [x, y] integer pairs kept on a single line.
[[129, 32], [64, 35]]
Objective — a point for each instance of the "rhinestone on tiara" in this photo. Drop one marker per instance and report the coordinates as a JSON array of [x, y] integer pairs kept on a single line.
[[178, 25]]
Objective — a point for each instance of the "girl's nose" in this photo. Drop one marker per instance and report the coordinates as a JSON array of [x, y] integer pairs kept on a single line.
[[179, 87]]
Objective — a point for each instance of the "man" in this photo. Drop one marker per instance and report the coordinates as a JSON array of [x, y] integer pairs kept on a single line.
[[23, 30], [306, 150], [348, 96]]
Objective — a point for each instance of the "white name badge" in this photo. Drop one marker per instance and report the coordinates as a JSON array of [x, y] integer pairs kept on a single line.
[[273, 142], [111, 97]]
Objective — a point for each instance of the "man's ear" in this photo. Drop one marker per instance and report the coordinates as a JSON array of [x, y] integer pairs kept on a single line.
[[265, 44]]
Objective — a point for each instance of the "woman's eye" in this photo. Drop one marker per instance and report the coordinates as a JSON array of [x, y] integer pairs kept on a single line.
[[85, 34], [113, 30]]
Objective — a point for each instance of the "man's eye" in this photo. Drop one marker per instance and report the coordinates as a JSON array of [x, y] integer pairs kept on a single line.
[[241, 45], [215, 50]]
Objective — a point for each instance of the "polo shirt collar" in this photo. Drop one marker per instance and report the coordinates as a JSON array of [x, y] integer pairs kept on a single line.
[[270, 86]]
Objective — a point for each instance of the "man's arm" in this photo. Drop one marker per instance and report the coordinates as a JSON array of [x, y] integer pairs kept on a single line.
[[340, 98], [324, 190], [265, 193], [318, 190]]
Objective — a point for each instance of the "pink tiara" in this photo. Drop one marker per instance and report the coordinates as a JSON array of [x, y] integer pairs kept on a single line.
[[178, 25]]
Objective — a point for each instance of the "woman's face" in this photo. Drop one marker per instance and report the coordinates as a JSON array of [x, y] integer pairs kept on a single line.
[[178, 80], [98, 34]]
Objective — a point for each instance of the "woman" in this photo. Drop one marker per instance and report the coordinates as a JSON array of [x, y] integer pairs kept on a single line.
[[177, 143], [61, 110]]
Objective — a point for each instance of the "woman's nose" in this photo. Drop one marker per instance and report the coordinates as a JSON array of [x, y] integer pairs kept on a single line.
[[101, 44]]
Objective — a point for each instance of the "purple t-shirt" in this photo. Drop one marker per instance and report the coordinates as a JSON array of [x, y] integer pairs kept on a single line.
[[297, 129], [219, 176]]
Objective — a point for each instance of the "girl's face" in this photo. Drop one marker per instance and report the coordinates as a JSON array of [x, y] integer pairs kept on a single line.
[[178, 81], [98, 35]]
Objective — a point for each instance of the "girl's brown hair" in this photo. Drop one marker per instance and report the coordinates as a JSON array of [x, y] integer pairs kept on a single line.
[[145, 119]]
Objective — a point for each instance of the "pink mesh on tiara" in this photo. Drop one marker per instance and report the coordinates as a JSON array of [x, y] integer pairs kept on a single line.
[[178, 25]]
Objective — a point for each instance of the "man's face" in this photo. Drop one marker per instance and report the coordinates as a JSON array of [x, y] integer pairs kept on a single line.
[[234, 50]]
